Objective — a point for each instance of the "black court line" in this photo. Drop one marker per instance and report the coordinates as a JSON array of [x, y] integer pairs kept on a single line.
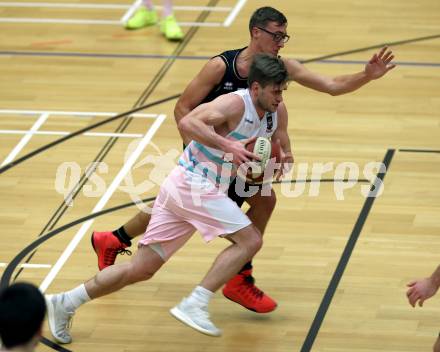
[[185, 57], [7, 274], [53, 345], [103, 56], [321, 180], [376, 46], [420, 151], [156, 56], [363, 62], [345, 257]]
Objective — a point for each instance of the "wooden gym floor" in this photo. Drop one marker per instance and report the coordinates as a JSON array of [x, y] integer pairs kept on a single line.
[[337, 267]]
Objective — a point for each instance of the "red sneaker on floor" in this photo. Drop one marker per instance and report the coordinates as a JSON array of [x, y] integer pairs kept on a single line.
[[241, 289], [107, 246]]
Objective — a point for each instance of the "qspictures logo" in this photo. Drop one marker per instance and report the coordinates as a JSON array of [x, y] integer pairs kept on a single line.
[[158, 165]]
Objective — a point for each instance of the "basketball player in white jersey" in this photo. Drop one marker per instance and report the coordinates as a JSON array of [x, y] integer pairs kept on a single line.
[[222, 74], [191, 199]]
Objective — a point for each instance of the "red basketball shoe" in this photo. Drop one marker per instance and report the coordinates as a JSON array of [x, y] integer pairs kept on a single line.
[[107, 246], [242, 290]]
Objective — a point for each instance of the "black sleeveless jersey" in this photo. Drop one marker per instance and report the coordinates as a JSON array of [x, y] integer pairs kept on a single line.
[[231, 80]]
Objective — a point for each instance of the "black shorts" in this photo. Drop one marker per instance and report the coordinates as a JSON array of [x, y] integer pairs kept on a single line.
[[233, 194]]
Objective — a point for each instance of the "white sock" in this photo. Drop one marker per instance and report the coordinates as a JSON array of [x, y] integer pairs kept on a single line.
[[167, 8], [200, 296], [75, 298], [148, 4]]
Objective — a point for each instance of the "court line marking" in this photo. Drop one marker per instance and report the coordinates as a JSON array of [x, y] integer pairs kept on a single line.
[[190, 57], [73, 113], [26, 138], [92, 126], [28, 265], [57, 21], [419, 150], [233, 14], [97, 22], [64, 133], [100, 205], [131, 10], [200, 24], [129, 13], [106, 6]]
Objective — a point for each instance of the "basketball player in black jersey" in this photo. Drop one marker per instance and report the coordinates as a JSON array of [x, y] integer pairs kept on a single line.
[[225, 73]]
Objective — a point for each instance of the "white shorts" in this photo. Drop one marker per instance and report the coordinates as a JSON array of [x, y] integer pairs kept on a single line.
[[188, 202]]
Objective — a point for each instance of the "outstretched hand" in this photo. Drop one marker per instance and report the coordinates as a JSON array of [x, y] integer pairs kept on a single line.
[[380, 63], [420, 290]]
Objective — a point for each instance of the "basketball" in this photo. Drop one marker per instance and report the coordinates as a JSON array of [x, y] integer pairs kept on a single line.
[[268, 151]]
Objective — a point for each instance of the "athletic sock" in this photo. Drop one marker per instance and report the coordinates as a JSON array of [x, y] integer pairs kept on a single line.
[[148, 4], [75, 298], [247, 266], [200, 296], [122, 236], [167, 8]]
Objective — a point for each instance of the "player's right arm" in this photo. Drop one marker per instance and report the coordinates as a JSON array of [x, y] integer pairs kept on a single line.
[[281, 134], [224, 113], [209, 76]]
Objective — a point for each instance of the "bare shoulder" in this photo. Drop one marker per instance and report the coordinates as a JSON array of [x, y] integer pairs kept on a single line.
[[215, 67], [230, 104], [291, 62], [198, 89], [217, 62], [293, 66]]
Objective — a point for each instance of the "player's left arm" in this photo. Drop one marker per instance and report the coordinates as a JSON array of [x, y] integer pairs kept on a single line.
[[379, 64], [422, 289], [281, 134]]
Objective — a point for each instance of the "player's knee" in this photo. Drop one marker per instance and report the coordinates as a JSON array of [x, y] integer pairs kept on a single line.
[[254, 243], [248, 240], [139, 273]]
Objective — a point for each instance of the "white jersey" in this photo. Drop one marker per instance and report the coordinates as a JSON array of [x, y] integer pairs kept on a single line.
[[209, 162]]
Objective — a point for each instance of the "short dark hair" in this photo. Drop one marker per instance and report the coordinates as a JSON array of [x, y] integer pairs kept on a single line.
[[267, 69], [22, 311], [266, 14]]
